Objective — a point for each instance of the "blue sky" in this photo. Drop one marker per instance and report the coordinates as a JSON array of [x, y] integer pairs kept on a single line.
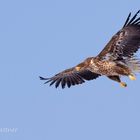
[[39, 37]]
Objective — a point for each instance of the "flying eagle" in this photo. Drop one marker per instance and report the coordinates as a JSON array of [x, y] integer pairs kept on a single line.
[[115, 60]]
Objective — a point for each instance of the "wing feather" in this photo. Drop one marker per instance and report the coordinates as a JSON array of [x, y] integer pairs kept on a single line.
[[125, 43], [72, 76], [132, 19], [69, 82], [127, 20], [58, 82], [63, 82]]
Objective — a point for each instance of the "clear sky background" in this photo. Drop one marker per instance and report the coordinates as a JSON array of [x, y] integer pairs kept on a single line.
[[41, 38]]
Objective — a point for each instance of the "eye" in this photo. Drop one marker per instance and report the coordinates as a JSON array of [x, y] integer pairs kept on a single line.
[[119, 42]]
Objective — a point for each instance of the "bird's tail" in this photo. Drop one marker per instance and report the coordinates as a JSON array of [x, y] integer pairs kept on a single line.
[[133, 64]]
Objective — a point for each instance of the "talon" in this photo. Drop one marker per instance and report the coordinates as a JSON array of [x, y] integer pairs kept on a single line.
[[123, 84], [132, 77]]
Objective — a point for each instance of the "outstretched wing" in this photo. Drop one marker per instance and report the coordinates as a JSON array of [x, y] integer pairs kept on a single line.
[[124, 43], [73, 76]]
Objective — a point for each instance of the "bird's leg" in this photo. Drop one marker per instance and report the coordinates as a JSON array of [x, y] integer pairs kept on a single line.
[[117, 79], [132, 76]]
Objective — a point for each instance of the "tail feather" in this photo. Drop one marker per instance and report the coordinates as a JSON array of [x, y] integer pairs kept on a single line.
[[133, 64]]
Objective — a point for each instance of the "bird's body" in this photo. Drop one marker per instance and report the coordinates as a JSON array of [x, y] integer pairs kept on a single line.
[[115, 60], [106, 67], [103, 67]]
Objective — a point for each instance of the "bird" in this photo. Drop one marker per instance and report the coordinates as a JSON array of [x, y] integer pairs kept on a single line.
[[117, 59]]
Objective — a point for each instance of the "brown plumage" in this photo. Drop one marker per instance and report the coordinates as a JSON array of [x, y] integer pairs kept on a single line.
[[115, 60]]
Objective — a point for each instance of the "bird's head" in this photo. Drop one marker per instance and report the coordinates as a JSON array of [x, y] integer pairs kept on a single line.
[[90, 60]]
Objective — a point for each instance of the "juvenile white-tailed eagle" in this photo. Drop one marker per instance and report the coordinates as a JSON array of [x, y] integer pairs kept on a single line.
[[115, 60]]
